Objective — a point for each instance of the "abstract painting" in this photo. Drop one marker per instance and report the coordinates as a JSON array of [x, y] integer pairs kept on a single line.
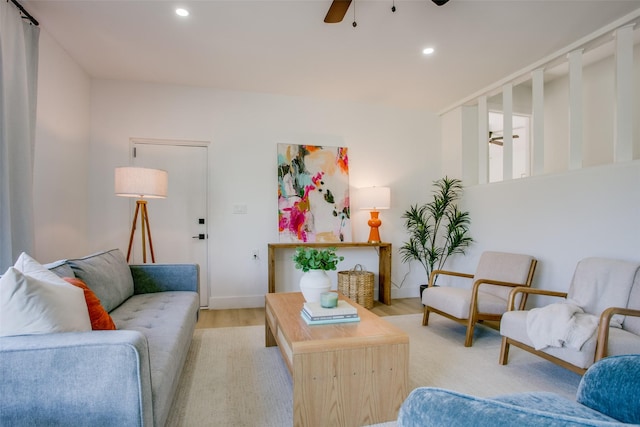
[[313, 194]]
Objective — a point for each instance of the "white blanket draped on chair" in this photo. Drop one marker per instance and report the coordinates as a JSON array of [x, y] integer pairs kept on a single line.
[[560, 324], [596, 285]]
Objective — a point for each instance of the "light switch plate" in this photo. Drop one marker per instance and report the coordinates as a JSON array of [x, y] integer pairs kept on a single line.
[[239, 209]]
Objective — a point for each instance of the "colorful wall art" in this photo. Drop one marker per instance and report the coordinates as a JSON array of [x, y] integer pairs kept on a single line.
[[313, 194]]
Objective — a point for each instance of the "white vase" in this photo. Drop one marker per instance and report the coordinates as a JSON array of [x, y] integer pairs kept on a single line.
[[313, 283]]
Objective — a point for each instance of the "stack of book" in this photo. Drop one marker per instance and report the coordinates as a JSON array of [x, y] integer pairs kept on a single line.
[[314, 314]]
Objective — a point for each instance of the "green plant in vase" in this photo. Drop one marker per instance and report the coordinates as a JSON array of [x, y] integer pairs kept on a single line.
[[307, 259], [315, 263]]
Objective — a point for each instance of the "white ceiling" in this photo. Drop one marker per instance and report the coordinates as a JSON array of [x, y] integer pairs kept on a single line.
[[284, 47]]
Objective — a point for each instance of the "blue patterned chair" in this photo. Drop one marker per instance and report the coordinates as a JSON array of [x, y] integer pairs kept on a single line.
[[608, 395]]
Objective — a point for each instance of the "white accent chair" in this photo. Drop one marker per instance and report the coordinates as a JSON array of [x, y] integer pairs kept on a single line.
[[606, 288], [496, 274]]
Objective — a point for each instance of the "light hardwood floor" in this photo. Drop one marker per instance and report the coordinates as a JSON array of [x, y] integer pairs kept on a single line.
[[255, 316]]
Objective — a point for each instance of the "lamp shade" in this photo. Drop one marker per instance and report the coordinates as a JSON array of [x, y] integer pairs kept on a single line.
[[375, 198], [141, 182]]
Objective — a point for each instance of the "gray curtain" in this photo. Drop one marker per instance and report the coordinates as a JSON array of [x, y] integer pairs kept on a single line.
[[18, 88]]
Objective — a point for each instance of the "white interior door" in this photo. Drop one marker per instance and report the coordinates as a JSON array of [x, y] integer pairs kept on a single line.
[[179, 223]]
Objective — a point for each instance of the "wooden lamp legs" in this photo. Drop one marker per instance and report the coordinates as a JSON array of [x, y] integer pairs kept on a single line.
[[141, 207]]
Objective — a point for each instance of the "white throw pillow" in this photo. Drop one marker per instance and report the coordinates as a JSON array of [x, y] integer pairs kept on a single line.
[[30, 267], [34, 300]]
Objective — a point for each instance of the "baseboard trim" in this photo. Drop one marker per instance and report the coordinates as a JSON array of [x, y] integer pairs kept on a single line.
[[253, 301], [222, 303], [407, 292]]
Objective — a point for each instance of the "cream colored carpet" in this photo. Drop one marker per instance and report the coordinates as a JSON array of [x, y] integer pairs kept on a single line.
[[231, 379]]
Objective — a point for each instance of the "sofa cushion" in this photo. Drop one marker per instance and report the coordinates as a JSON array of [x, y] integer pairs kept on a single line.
[[514, 326], [551, 402], [600, 283], [35, 301], [502, 267], [611, 387], [167, 320], [622, 342], [456, 301], [430, 406], [100, 319], [60, 268], [107, 274]]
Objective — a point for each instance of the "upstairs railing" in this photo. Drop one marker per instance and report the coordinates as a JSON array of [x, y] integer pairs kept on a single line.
[[585, 142]]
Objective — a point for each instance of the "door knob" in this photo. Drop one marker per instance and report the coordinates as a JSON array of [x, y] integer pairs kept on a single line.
[[199, 237]]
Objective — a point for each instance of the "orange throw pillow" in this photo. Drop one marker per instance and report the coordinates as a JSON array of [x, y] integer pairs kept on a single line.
[[100, 319]]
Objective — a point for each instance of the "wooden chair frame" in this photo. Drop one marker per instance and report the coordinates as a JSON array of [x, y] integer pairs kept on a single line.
[[474, 315], [602, 338]]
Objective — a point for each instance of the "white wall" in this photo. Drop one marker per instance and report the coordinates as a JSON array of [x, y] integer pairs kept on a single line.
[[562, 216], [636, 101], [61, 155], [452, 145], [398, 148], [470, 149], [559, 219]]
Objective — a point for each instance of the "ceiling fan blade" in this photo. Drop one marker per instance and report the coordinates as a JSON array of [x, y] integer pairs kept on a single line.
[[440, 2], [502, 137], [498, 139], [337, 11]]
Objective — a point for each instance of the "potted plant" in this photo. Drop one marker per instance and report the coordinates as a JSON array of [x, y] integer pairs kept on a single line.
[[437, 229], [315, 263]]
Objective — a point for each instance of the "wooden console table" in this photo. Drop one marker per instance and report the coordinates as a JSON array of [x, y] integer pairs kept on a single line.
[[384, 268]]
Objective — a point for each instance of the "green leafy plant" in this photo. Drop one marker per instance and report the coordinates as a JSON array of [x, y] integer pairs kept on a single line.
[[437, 229], [316, 259]]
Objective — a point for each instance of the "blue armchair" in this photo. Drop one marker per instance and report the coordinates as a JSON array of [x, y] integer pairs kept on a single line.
[[607, 396]]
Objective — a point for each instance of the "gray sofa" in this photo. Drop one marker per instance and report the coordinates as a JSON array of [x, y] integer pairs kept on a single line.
[[606, 397], [126, 377]]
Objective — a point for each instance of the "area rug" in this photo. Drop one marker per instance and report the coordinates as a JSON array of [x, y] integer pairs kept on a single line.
[[438, 358], [231, 379]]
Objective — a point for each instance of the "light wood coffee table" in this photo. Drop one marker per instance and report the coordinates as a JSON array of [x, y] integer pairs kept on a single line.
[[344, 374]]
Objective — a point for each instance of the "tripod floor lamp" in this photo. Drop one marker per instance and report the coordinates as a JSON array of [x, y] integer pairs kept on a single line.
[[142, 183]]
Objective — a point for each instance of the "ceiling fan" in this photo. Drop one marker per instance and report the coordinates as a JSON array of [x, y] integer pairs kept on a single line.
[[339, 8], [498, 139]]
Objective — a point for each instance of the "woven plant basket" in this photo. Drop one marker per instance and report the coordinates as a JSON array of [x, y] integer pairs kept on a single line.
[[357, 285]]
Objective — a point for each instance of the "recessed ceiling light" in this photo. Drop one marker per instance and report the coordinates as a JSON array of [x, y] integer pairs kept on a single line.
[[428, 50], [182, 12]]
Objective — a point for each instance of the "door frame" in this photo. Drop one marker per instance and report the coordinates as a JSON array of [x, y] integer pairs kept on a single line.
[[188, 143]]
